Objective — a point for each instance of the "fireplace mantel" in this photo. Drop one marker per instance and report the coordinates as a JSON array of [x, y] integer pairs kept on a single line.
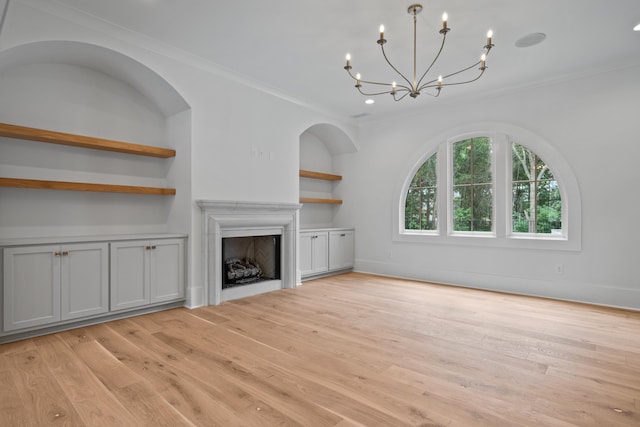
[[220, 217]]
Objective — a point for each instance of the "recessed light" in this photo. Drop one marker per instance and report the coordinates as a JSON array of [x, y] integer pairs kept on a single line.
[[636, 28], [369, 101], [531, 40]]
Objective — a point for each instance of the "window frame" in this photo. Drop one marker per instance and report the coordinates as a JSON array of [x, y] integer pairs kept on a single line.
[[501, 136], [450, 202]]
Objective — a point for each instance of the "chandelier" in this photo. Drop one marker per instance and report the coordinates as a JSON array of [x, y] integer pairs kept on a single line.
[[415, 87]]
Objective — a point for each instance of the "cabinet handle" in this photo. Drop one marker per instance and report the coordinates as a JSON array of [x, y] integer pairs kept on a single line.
[[65, 253], [57, 254], [342, 235], [147, 247], [153, 247]]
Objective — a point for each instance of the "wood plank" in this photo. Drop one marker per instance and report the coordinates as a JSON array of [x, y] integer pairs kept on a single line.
[[347, 350], [53, 137], [83, 186], [320, 175], [11, 412], [91, 399], [320, 200], [44, 402]]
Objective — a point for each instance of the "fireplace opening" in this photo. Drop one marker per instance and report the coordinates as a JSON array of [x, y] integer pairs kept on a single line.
[[249, 260]]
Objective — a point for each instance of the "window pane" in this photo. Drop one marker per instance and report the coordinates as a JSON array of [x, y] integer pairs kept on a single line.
[[481, 161], [521, 208], [482, 207], [420, 211], [537, 207], [472, 180], [426, 175], [462, 208], [462, 162], [549, 218]]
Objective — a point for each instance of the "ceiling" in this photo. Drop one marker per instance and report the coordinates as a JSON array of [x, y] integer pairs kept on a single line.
[[297, 47]]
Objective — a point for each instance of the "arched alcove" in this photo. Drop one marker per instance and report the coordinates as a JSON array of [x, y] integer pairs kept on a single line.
[[85, 89], [321, 145]]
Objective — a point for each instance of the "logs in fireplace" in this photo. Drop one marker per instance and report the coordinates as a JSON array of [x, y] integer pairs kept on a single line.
[[242, 271]]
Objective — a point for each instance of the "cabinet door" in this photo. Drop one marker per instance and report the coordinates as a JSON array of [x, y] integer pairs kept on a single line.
[[31, 286], [84, 280], [306, 254], [167, 270], [129, 274], [314, 257], [341, 255], [320, 252]]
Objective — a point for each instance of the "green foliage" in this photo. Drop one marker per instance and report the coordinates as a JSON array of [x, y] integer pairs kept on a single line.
[[420, 207], [472, 185], [537, 206]]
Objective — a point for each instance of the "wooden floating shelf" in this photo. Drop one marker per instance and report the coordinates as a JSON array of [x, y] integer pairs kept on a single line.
[[317, 200], [53, 137], [83, 186], [320, 175]]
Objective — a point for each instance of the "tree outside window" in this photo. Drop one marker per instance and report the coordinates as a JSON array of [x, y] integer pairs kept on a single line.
[[472, 185], [537, 206], [536, 209], [420, 205]]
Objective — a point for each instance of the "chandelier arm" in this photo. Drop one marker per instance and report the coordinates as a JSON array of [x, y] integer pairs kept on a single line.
[[455, 83], [375, 83], [463, 70], [433, 83], [394, 68], [435, 95], [401, 98], [372, 94], [444, 37]]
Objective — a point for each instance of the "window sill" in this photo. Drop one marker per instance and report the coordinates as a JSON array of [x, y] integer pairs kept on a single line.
[[490, 240]]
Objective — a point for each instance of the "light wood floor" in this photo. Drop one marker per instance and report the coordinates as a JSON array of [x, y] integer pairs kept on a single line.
[[349, 350]]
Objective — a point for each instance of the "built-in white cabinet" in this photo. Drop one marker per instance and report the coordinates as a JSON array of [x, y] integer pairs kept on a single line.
[[341, 250], [314, 253], [324, 251], [146, 272], [50, 283]]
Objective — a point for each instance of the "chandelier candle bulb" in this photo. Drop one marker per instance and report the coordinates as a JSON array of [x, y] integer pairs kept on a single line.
[[348, 61], [439, 82], [483, 58], [381, 33], [489, 36], [445, 17]]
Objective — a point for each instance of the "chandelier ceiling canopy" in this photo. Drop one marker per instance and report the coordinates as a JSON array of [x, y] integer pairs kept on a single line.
[[417, 84]]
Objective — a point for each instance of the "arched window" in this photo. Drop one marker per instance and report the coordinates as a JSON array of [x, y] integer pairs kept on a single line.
[[536, 202], [421, 202], [472, 190], [493, 185]]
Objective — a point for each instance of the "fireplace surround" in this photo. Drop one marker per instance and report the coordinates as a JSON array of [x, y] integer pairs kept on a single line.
[[224, 219]]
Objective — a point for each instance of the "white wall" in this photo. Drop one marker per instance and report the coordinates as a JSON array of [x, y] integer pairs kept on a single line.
[[592, 122], [244, 142]]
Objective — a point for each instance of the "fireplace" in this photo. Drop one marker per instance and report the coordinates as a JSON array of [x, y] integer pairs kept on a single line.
[[250, 259], [241, 235]]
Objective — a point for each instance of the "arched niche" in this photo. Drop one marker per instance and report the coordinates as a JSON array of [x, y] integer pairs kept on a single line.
[[100, 59], [321, 146], [85, 89]]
